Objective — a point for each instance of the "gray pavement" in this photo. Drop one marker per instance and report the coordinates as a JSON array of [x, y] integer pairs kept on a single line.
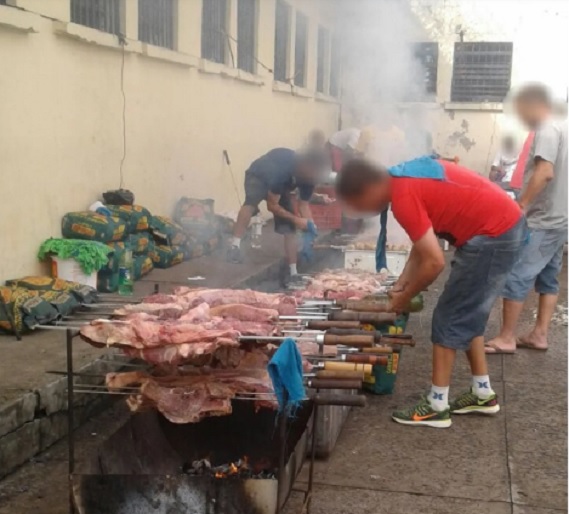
[[515, 462]]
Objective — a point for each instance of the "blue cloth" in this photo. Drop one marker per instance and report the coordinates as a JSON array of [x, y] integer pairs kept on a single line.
[[308, 238], [276, 171], [422, 167], [285, 370], [380, 253]]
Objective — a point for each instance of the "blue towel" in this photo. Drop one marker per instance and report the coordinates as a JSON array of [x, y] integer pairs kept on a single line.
[[308, 238], [285, 370], [422, 167], [380, 247]]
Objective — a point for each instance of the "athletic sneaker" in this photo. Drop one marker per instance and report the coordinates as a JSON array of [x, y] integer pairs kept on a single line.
[[234, 254], [423, 414], [468, 402]]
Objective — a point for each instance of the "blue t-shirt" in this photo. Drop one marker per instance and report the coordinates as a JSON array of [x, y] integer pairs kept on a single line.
[[276, 169]]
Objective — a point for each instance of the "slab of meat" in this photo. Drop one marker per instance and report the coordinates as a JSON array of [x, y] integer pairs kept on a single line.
[[243, 312], [284, 304], [342, 285], [190, 398]]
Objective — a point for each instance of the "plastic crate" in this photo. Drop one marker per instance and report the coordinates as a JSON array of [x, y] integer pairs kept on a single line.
[[327, 217], [382, 378]]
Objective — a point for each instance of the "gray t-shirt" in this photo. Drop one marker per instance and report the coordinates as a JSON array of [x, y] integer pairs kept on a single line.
[[549, 209]]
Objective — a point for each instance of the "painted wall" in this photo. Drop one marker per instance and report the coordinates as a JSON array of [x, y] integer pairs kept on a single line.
[[61, 118]]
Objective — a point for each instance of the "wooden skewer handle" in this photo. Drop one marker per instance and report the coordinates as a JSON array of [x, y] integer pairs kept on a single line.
[[363, 317], [349, 340], [354, 366], [397, 340], [367, 359], [363, 306], [324, 325], [341, 374], [320, 383], [378, 350]]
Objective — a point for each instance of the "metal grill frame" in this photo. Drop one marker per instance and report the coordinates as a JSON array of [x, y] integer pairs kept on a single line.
[[322, 67], [283, 15], [247, 23], [482, 71], [300, 48], [427, 55], [103, 15], [157, 22], [214, 26]]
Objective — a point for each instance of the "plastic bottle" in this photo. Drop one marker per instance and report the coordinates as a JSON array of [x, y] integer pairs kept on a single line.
[[126, 285], [256, 232]]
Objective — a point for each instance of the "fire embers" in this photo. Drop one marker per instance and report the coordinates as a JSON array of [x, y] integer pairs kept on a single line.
[[238, 469]]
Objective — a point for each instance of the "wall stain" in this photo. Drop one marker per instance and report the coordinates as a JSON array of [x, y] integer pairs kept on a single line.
[[459, 137]]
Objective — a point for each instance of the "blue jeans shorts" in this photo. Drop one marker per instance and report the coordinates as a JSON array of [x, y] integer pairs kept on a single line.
[[479, 271], [539, 265]]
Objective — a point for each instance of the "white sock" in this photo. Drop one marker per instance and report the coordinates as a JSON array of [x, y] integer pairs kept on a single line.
[[481, 386], [293, 269], [438, 398], [236, 241]]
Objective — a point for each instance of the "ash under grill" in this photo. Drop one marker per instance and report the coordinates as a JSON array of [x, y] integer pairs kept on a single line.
[[152, 466]]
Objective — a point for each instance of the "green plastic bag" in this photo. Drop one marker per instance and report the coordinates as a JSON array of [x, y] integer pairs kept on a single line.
[[141, 243], [64, 303], [115, 258], [167, 256], [136, 217], [92, 227], [82, 292], [167, 232], [25, 308], [142, 265]]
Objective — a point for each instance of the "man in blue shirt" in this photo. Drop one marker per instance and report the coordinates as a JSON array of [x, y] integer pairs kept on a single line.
[[273, 178]]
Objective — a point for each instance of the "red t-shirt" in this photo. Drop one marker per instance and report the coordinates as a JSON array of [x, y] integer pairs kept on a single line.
[[461, 206]]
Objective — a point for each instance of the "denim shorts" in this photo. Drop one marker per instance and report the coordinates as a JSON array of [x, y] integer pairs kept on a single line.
[[539, 264], [479, 271]]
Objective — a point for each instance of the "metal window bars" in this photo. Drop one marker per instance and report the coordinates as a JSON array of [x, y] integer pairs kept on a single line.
[[323, 43], [300, 48], [335, 66], [156, 22], [282, 35], [482, 72], [214, 30], [104, 15], [427, 56], [246, 35]]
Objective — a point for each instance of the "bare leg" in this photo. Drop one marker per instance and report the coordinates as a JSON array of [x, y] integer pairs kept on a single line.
[[243, 219], [506, 341], [477, 357], [537, 338], [443, 362], [290, 248]]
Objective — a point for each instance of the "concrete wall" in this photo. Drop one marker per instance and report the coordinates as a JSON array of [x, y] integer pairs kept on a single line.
[[61, 117]]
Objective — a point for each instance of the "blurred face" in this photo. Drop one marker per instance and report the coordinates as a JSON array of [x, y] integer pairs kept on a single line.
[[508, 144], [531, 113], [307, 173], [372, 201]]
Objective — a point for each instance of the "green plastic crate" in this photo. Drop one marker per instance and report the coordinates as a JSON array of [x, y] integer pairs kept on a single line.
[[382, 379]]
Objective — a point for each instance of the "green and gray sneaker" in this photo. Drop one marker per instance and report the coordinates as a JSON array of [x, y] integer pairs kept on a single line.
[[423, 414], [469, 402]]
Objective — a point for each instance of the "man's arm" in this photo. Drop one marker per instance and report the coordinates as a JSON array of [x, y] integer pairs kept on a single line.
[[408, 270], [304, 209], [541, 176], [274, 207], [429, 261]]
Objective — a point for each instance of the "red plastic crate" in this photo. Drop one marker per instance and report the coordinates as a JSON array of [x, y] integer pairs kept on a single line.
[[327, 217]]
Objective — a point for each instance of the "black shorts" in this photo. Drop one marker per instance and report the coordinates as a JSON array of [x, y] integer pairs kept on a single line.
[[256, 191]]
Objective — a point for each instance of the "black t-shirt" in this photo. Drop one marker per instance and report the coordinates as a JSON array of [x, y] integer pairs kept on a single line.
[[276, 169]]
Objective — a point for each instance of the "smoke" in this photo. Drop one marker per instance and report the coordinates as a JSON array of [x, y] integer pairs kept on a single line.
[[381, 73]]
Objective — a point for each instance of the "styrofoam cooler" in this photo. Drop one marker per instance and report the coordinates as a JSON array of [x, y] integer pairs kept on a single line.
[[365, 260], [69, 269]]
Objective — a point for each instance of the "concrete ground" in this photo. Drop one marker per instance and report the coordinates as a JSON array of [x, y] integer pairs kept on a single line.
[[513, 463]]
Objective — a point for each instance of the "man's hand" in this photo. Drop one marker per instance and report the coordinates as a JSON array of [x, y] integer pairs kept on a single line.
[[327, 200], [301, 224], [399, 301]]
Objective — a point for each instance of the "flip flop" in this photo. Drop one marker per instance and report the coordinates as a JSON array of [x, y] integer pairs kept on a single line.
[[493, 349], [529, 346]]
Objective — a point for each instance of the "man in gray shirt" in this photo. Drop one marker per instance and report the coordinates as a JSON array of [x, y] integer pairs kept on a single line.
[[544, 200]]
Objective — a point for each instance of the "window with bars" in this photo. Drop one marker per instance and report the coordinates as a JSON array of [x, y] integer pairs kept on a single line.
[[214, 30], [427, 55], [335, 59], [322, 64], [282, 35], [156, 22], [481, 72], [104, 15], [247, 35], [300, 47]]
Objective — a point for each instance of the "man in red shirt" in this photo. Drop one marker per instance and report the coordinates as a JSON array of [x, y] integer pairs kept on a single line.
[[433, 199]]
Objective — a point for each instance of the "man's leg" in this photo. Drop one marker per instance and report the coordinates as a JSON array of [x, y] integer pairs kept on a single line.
[[243, 220], [505, 342], [547, 285], [480, 398], [291, 252], [443, 363]]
